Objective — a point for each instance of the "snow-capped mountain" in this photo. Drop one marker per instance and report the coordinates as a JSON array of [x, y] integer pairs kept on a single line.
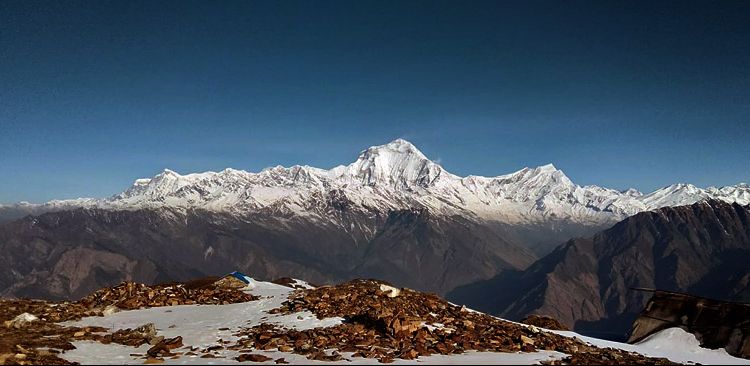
[[392, 213], [398, 176]]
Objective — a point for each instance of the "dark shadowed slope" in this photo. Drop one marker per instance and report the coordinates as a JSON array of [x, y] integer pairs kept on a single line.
[[69, 253], [701, 249]]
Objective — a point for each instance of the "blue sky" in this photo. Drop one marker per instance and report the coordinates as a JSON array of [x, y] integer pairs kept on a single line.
[[94, 94]]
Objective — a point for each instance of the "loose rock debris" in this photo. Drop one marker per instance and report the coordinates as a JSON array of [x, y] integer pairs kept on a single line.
[[381, 322], [164, 347], [386, 324], [543, 321], [130, 295], [30, 334], [252, 357], [126, 296], [42, 342]]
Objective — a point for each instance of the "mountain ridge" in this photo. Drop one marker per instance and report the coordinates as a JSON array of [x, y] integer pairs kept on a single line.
[[395, 176], [587, 283]]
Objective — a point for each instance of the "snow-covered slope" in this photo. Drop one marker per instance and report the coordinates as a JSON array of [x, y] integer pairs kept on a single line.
[[203, 326], [398, 176], [674, 344]]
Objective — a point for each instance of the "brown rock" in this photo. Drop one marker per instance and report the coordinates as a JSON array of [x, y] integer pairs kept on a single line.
[[253, 357], [285, 348], [173, 343], [544, 321], [526, 340], [158, 350]]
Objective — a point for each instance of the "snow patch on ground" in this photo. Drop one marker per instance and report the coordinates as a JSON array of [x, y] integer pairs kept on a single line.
[[677, 344], [303, 284], [199, 325], [674, 343]]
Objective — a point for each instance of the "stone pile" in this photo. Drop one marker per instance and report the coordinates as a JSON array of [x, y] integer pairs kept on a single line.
[[42, 310], [164, 347], [130, 295], [543, 321]]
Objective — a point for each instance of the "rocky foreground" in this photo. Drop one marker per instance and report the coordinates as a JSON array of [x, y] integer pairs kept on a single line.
[[32, 333], [387, 323], [378, 322]]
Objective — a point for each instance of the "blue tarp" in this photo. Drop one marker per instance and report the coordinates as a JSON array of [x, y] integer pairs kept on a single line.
[[240, 276]]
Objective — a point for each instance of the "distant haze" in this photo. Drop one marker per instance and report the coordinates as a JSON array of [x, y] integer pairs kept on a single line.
[[94, 94]]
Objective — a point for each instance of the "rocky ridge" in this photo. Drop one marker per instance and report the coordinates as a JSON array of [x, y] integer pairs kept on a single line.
[[387, 323]]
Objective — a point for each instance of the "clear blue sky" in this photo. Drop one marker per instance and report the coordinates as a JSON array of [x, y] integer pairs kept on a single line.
[[622, 94]]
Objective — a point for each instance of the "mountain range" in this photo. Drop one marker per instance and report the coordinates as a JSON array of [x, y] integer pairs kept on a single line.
[[392, 214], [540, 204]]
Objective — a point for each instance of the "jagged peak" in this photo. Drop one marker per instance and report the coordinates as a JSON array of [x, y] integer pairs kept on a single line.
[[400, 143], [233, 171], [143, 182], [542, 169], [544, 172], [632, 192], [681, 186], [735, 186], [547, 168], [708, 202], [396, 147], [398, 163], [399, 169], [169, 172], [276, 168], [294, 169]]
